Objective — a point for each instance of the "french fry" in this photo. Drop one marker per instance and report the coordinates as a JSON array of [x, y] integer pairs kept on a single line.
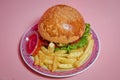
[[48, 61], [75, 53], [50, 67], [41, 58], [90, 45], [46, 66], [65, 66], [45, 50], [60, 52], [36, 60], [81, 61], [66, 60], [62, 55], [90, 37], [54, 64], [85, 55], [50, 57]]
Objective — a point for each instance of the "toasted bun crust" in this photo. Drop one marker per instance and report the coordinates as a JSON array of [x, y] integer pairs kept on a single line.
[[61, 24]]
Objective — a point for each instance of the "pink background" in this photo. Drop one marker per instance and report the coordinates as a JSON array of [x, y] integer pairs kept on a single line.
[[17, 15]]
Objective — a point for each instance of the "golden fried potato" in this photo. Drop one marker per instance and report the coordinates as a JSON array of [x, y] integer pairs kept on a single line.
[[65, 66]]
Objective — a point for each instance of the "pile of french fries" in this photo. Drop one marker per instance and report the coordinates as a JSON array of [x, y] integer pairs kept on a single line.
[[62, 60]]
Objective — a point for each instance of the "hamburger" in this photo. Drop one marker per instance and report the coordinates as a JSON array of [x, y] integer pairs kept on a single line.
[[65, 27], [61, 40]]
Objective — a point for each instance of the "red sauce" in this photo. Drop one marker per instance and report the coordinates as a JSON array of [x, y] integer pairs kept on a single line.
[[31, 43]]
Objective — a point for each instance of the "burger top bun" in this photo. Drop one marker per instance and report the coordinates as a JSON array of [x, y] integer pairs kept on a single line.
[[61, 24]]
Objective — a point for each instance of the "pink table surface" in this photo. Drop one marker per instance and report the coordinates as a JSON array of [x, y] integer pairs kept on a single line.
[[17, 15]]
